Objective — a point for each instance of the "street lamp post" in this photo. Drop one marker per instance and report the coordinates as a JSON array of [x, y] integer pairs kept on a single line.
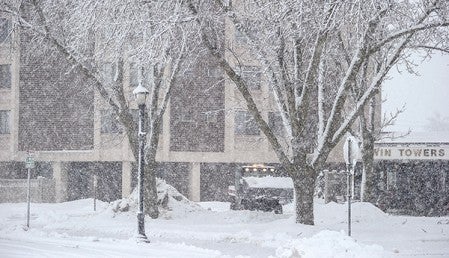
[[141, 94], [351, 153]]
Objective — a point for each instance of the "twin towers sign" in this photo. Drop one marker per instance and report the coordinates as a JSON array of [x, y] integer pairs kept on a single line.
[[412, 152]]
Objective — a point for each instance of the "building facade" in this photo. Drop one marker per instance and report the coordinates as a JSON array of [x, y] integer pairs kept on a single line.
[[413, 174], [47, 108]]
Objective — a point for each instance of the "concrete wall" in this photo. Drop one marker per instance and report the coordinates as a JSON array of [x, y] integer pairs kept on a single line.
[[15, 190]]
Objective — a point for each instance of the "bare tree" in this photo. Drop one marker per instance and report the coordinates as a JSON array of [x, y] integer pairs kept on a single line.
[[313, 53], [371, 131], [98, 38], [373, 127]]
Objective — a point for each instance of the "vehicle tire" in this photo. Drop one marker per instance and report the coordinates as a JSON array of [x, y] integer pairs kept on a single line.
[[278, 209], [234, 205], [247, 205]]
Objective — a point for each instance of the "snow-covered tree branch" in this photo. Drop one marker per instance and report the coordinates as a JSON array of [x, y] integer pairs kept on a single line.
[[100, 40], [313, 55]]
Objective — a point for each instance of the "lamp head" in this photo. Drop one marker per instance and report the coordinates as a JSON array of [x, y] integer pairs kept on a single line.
[[140, 93]]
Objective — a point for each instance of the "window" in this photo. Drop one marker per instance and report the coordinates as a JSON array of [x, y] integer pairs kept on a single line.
[[4, 122], [133, 75], [187, 116], [213, 72], [189, 72], [5, 30], [109, 73], [138, 73], [251, 75], [240, 36], [135, 115], [248, 28], [211, 116], [391, 180], [5, 76], [275, 123], [109, 122], [245, 124]]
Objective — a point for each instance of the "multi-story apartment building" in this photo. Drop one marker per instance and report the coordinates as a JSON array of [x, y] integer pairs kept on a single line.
[[47, 108]]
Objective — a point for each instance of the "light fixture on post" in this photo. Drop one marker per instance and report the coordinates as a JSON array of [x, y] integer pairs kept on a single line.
[[141, 94]]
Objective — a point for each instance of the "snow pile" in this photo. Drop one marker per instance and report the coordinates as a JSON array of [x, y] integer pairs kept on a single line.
[[171, 203], [269, 182], [328, 244]]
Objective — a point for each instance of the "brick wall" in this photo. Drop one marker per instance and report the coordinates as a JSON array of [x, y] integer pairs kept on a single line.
[[56, 103], [197, 108]]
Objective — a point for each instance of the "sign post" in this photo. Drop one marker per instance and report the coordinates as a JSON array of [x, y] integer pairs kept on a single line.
[[95, 192], [350, 152], [29, 164]]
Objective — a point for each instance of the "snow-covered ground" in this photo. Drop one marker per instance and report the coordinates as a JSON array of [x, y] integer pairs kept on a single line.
[[210, 229]]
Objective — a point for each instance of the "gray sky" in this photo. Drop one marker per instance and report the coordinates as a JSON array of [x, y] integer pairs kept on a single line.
[[423, 95]]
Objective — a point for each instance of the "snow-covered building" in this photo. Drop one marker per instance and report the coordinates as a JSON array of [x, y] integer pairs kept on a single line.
[[48, 108], [414, 173]]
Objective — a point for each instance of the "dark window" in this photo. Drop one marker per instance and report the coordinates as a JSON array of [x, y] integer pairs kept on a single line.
[[189, 72], [211, 116], [275, 123], [4, 122], [109, 122], [245, 124], [109, 74], [187, 116], [248, 29], [251, 75], [213, 72], [135, 115], [138, 73], [5, 76], [240, 36], [5, 30], [133, 75]]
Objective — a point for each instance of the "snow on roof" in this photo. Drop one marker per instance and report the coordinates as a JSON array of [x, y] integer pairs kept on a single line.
[[269, 182], [419, 137]]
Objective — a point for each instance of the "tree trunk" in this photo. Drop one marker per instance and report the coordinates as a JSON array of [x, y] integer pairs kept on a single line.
[[369, 176], [304, 186], [368, 187], [150, 190], [151, 207]]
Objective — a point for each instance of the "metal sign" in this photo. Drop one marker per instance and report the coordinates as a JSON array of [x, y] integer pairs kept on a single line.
[[412, 152], [29, 162], [351, 150]]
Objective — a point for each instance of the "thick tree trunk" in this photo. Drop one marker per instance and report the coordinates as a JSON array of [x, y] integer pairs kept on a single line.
[[304, 186], [369, 185], [150, 189], [151, 207], [369, 176]]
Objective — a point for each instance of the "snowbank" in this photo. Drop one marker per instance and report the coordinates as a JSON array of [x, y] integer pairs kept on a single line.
[[74, 229], [328, 244], [171, 203]]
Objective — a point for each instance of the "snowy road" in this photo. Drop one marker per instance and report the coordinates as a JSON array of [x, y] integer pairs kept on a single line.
[[77, 248], [72, 229]]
